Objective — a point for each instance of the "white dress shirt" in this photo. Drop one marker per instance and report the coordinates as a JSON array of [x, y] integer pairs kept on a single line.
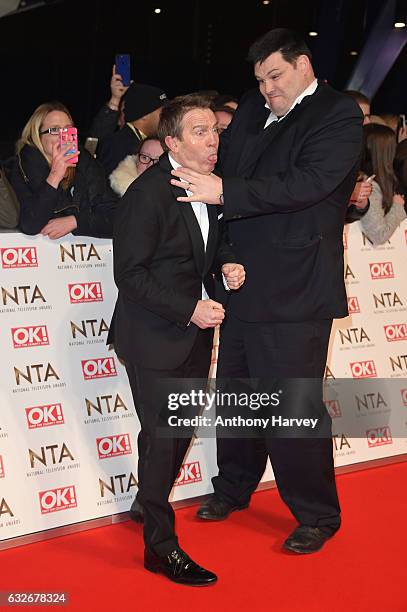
[[201, 214], [307, 92]]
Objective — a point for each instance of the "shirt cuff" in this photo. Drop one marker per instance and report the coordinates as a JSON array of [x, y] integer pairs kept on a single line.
[[225, 283]]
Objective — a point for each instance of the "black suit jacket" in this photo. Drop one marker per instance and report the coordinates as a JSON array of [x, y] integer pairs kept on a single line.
[[159, 266], [286, 190]]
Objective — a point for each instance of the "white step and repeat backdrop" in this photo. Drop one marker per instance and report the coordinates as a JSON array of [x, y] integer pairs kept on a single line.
[[68, 427]]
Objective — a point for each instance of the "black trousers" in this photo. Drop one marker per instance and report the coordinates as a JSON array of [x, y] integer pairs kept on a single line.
[[303, 468], [160, 458]]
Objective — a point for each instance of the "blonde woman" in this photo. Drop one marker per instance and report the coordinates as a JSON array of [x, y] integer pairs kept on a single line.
[[56, 197]]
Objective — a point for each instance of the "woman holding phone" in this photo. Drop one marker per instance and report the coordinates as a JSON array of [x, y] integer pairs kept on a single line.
[[387, 205], [61, 190]]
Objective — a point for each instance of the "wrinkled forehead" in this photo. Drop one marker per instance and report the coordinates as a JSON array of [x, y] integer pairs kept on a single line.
[[198, 118], [272, 64]]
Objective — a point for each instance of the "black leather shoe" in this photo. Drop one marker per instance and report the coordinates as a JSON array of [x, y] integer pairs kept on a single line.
[[178, 567], [136, 512], [215, 509], [305, 540]]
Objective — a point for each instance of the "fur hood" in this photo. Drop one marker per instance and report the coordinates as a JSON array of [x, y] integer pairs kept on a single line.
[[124, 175]]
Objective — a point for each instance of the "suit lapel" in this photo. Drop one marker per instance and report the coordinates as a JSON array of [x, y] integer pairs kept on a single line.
[[192, 225], [266, 136], [212, 236]]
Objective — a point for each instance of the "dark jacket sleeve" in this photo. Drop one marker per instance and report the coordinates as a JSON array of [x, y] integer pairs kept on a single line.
[[330, 152], [98, 201], [104, 123], [353, 213], [37, 202], [137, 230], [224, 252]]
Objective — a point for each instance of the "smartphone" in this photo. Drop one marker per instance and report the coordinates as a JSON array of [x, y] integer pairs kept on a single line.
[[123, 68], [91, 145], [69, 142]]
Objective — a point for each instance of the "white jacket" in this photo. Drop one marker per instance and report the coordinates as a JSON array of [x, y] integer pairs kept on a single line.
[[125, 173]]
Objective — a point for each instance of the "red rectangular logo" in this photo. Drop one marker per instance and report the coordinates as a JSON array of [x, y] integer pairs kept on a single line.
[[102, 367], [381, 270], [2, 474], [363, 369], [80, 293], [379, 436], [353, 305], [113, 446], [397, 331], [44, 416], [33, 335], [19, 257], [404, 396], [53, 500], [334, 408], [189, 473]]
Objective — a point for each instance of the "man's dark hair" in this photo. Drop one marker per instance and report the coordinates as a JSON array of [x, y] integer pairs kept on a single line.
[[223, 99], [358, 96], [288, 42], [223, 109], [173, 113]]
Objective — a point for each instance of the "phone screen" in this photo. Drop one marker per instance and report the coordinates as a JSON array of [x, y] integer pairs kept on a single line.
[[69, 143], [123, 67]]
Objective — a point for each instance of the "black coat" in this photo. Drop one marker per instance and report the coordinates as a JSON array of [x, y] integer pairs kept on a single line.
[[159, 266], [286, 190], [90, 199], [114, 148]]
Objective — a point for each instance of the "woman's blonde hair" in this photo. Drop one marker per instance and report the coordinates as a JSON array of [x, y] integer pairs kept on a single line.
[[31, 133]]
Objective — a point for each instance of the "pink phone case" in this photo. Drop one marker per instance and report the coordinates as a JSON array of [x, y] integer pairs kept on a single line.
[[70, 137]]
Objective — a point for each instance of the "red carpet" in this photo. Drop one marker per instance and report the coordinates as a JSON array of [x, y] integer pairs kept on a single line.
[[362, 569]]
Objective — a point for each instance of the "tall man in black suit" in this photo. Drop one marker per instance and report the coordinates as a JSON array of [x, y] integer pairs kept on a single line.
[[165, 255], [289, 160]]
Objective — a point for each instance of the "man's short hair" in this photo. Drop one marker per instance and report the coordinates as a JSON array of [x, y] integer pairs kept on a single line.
[[223, 109], [173, 113], [287, 42], [358, 96]]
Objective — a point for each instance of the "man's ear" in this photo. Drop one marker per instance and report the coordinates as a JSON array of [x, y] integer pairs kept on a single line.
[[303, 63], [172, 143]]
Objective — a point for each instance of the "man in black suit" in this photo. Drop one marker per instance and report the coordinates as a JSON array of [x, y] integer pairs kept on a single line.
[[165, 256], [289, 161]]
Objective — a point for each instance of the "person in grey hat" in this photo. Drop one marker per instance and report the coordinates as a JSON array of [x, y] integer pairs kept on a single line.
[[142, 108]]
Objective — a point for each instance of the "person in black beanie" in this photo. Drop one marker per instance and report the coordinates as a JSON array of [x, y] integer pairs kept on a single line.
[[142, 108]]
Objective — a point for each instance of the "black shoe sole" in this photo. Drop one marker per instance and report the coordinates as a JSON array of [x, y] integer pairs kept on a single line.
[[157, 570], [216, 518]]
